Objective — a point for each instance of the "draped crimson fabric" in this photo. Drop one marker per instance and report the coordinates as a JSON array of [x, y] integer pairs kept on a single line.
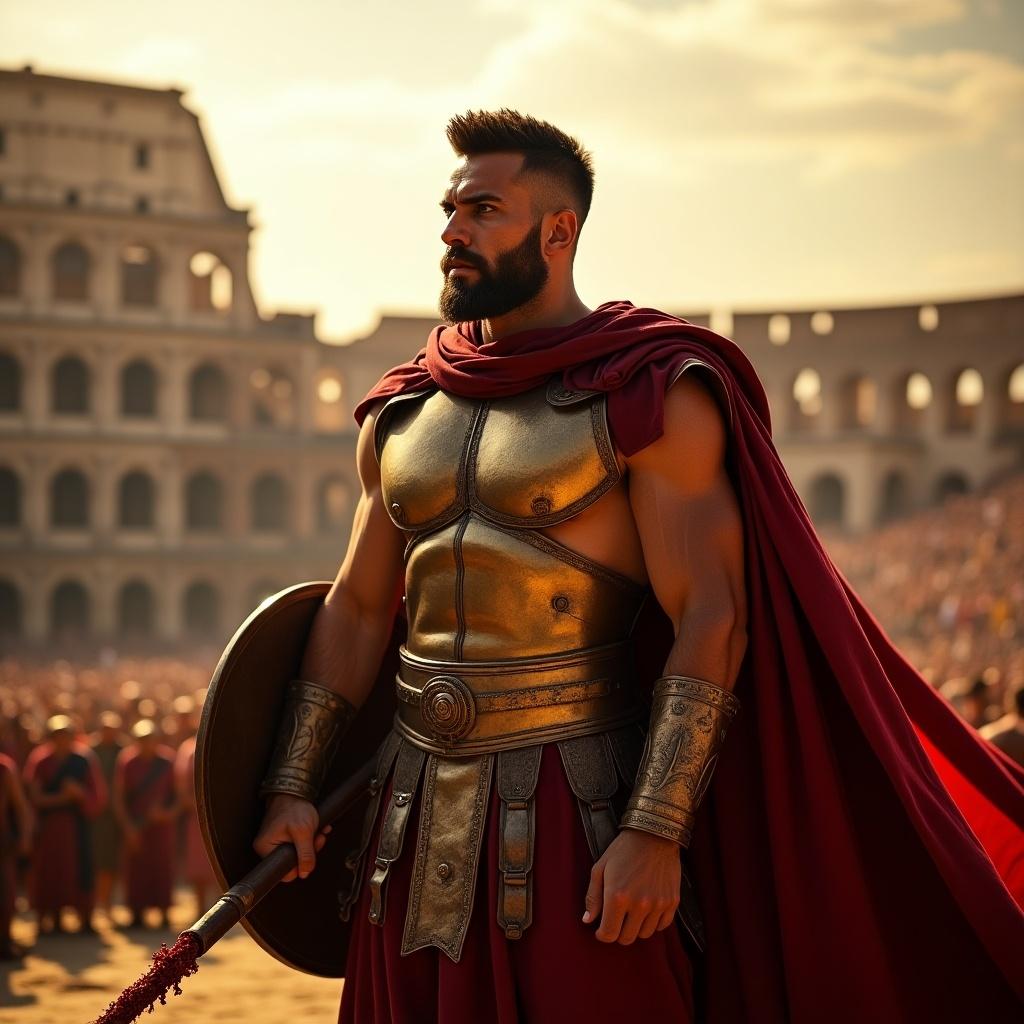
[[860, 853]]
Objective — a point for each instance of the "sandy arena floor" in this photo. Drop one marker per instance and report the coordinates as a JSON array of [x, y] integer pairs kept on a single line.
[[67, 979]]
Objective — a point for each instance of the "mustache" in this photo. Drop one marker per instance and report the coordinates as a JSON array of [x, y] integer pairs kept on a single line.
[[460, 255]]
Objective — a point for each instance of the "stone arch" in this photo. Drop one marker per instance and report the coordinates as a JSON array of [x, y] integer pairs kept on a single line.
[[211, 283], [71, 268], [70, 386], [10, 267], [69, 499], [10, 497], [912, 397], [333, 499], [140, 276], [858, 402], [11, 613], [201, 609], [329, 411], [894, 497], [136, 609], [950, 483], [1011, 413], [207, 394], [10, 383], [828, 499], [272, 397], [965, 393], [70, 610], [136, 501], [805, 400], [138, 389], [268, 502], [204, 502]]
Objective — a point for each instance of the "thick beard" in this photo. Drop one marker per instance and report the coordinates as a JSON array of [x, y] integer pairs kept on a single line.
[[517, 277]]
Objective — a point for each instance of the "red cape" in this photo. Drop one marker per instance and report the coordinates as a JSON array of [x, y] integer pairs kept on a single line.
[[860, 846]]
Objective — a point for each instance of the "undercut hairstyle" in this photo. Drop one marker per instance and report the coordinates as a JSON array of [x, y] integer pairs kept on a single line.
[[545, 148]]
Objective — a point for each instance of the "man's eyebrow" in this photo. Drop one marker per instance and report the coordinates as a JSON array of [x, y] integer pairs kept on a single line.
[[475, 197]]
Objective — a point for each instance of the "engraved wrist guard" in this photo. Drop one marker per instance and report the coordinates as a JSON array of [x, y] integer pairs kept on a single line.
[[314, 720], [688, 721]]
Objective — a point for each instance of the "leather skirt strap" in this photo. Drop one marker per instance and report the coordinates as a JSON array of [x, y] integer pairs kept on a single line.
[[518, 771], [590, 769], [392, 830]]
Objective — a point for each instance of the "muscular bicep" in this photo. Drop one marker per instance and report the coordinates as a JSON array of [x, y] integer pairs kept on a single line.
[[687, 513]]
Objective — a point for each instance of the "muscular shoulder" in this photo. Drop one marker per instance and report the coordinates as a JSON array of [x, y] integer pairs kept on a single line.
[[691, 448]]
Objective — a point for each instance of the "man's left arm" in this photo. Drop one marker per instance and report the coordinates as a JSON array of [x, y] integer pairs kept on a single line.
[[690, 527]]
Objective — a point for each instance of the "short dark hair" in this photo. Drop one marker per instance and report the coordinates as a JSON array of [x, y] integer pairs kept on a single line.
[[545, 148]]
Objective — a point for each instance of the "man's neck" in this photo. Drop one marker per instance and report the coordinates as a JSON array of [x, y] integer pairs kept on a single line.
[[544, 311]]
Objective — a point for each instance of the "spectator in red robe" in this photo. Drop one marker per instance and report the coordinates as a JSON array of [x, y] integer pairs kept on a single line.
[[15, 841], [67, 789], [106, 832], [198, 872], [146, 806]]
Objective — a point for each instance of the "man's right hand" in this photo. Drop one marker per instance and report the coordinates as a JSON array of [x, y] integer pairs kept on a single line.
[[290, 819]]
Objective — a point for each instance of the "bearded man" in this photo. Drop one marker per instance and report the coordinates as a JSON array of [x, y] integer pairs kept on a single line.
[[590, 546]]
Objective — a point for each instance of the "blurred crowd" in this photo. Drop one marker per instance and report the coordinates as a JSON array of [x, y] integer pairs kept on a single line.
[[96, 762], [947, 586], [97, 812]]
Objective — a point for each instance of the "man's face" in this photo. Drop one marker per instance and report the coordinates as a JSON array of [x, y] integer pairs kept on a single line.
[[493, 263]]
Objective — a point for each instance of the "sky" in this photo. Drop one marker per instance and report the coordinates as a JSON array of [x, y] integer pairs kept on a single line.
[[750, 154]]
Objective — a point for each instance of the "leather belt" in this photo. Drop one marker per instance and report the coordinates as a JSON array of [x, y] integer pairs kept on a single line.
[[475, 707]]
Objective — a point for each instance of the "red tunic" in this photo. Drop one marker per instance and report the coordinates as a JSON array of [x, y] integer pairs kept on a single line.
[[198, 870], [557, 973], [62, 870], [8, 844], [147, 785]]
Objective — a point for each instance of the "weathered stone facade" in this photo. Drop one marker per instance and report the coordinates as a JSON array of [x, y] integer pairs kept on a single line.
[[170, 456]]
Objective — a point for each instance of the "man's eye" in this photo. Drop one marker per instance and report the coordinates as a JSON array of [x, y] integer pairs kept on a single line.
[[484, 208]]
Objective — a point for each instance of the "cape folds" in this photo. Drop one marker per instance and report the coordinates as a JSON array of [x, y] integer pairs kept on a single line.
[[861, 849]]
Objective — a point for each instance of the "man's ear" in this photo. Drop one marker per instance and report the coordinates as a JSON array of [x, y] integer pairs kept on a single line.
[[560, 232]]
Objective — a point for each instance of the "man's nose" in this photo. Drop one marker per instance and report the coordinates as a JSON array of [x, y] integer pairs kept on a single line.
[[455, 232]]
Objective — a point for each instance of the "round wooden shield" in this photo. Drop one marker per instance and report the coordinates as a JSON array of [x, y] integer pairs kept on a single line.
[[296, 922]]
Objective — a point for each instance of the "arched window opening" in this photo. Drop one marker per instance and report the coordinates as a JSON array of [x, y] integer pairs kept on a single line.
[[828, 500], [268, 503], [10, 383], [779, 329], [70, 387], [968, 392], [950, 484], [10, 267], [202, 609], [203, 502], [71, 266], [805, 400], [10, 497], [69, 500], [69, 610], [1013, 408], [135, 609], [273, 397], [10, 610], [210, 283], [136, 501], [207, 394], [858, 403], [894, 499], [138, 389], [139, 276], [333, 512]]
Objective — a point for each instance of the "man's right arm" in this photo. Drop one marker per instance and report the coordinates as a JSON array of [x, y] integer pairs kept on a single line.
[[348, 636]]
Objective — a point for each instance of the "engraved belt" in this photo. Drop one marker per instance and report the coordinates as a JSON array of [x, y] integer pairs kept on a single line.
[[478, 707]]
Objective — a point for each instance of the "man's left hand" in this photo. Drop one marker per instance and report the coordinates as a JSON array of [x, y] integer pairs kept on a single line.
[[634, 887]]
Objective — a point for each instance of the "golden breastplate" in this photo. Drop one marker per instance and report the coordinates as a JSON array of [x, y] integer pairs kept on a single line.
[[473, 482]]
